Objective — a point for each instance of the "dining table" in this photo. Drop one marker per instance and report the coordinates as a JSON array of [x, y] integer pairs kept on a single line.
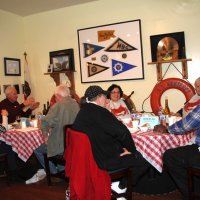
[[23, 141], [152, 145]]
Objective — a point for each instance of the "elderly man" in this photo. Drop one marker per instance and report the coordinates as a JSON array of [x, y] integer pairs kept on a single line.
[[63, 112], [112, 145], [194, 101], [15, 109], [177, 160]]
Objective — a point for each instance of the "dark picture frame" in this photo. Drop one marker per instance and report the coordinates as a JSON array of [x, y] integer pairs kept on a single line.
[[62, 60], [111, 52], [12, 67], [178, 36], [5, 86], [17, 88]]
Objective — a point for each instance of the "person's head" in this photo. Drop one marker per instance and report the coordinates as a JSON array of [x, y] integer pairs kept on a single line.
[[114, 92], [61, 92], [96, 94], [197, 85], [11, 94]]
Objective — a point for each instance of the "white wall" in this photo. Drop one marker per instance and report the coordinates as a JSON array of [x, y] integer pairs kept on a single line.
[[56, 30], [12, 46]]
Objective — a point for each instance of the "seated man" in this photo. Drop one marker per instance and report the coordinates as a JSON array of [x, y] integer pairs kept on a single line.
[[15, 109], [112, 145], [177, 160], [193, 102], [63, 112]]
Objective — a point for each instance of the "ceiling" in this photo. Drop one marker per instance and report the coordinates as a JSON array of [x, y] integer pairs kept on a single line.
[[29, 7]]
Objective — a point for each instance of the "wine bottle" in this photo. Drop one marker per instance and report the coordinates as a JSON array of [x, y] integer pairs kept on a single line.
[[48, 107], [166, 109], [44, 112]]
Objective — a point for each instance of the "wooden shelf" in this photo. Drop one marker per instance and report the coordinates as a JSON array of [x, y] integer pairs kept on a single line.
[[68, 73], [159, 67]]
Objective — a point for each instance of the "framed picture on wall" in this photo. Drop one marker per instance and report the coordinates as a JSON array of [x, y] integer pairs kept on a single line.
[[62, 60], [12, 67], [168, 46], [111, 52]]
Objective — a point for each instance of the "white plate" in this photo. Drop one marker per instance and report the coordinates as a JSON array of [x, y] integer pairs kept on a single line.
[[133, 130]]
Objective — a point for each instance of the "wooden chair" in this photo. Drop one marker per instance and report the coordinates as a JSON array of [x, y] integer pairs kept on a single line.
[[129, 103], [4, 163], [57, 160], [192, 173], [80, 163]]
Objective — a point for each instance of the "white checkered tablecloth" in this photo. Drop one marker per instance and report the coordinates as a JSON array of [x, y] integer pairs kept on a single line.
[[152, 145], [23, 141]]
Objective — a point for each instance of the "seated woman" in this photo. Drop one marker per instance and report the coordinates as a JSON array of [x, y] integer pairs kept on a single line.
[[116, 104]]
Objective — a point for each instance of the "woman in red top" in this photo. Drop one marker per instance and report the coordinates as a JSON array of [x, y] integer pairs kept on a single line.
[[116, 104]]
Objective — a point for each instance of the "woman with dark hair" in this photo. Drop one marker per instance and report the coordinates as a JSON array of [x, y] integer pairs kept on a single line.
[[116, 104]]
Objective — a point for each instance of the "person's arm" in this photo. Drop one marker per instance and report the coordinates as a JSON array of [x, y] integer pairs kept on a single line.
[[50, 120], [115, 128], [189, 123]]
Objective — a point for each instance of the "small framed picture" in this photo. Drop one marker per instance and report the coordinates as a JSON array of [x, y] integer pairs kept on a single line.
[[12, 67], [62, 60], [50, 68]]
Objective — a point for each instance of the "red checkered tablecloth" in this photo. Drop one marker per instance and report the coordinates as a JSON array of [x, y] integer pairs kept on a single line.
[[23, 141], [152, 145]]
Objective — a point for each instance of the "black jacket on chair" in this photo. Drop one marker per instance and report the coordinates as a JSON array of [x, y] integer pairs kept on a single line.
[[107, 135]]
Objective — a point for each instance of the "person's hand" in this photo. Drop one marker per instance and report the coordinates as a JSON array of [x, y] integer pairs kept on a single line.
[[175, 114], [160, 128], [34, 105], [126, 152], [4, 112], [29, 102]]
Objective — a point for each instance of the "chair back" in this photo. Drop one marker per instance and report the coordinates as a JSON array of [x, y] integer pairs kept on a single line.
[[57, 160], [87, 181]]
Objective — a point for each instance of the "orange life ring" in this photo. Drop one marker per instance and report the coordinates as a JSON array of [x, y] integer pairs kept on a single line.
[[171, 83]]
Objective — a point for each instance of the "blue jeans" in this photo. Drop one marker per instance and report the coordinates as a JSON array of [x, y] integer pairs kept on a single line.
[[39, 154]]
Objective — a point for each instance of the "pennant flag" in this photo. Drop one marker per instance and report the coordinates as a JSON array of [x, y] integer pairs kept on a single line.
[[105, 35], [95, 69], [90, 49], [119, 45], [119, 67], [27, 81]]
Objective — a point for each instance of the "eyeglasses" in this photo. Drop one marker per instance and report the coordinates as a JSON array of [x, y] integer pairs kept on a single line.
[[114, 92]]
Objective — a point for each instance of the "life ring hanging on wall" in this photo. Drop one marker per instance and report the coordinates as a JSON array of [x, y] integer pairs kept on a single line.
[[171, 83]]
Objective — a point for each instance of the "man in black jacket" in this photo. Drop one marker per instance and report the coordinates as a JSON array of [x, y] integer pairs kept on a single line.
[[111, 141]]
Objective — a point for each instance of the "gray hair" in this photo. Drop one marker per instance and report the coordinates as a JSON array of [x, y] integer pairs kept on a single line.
[[62, 90], [9, 89], [197, 81]]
